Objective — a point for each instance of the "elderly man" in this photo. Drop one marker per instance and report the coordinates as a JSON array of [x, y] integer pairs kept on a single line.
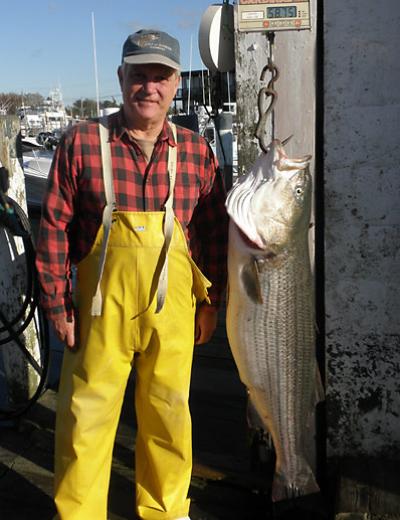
[[126, 196]]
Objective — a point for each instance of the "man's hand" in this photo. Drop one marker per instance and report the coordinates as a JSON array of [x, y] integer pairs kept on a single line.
[[65, 330], [205, 323]]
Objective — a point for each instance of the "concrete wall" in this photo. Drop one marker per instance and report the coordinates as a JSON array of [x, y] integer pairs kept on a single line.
[[362, 226]]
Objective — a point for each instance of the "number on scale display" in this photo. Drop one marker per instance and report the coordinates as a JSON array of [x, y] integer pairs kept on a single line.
[[282, 12]]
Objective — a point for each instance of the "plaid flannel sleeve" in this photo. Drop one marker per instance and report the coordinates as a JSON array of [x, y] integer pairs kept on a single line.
[[52, 251], [208, 230]]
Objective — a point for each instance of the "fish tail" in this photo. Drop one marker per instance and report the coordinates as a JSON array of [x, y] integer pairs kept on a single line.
[[304, 483]]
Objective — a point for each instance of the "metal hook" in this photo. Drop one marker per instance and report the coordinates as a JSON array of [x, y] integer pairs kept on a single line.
[[263, 95], [273, 69]]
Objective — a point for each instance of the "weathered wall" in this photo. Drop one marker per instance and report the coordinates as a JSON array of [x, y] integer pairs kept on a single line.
[[362, 226]]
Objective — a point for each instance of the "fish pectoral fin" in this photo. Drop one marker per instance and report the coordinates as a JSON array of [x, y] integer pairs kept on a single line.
[[251, 281]]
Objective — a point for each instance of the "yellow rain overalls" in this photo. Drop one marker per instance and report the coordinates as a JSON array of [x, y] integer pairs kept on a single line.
[[124, 312]]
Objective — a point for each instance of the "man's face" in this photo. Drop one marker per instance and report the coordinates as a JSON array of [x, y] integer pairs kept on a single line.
[[147, 91]]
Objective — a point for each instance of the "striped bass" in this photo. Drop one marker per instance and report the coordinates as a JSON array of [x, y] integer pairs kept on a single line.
[[270, 309]]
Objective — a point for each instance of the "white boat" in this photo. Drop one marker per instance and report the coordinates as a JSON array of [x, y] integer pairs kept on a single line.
[[36, 162], [37, 154], [49, 117]]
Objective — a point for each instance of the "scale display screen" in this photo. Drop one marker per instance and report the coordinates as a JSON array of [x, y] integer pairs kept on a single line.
[[273, 15], [282, 12]]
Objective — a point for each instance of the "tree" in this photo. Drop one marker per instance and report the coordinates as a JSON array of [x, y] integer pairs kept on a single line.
[[33, 100], [10, 102], [84, 108], [109, 103]]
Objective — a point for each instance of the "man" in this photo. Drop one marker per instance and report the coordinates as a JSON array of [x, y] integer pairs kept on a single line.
[[124, 198]]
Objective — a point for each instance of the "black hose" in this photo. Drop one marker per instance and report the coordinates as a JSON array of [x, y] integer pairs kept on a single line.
[[32, 288], [15, 221]]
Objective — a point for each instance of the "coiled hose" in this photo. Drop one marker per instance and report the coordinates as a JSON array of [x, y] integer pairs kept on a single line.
[[14, 220]]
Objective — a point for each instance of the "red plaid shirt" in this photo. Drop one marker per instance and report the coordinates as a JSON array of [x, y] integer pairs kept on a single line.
[[74, 202]]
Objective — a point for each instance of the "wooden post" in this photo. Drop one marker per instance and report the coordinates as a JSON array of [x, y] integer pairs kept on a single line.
[[22, 380]]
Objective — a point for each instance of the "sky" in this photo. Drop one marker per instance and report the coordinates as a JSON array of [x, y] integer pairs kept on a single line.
[[47, 44]]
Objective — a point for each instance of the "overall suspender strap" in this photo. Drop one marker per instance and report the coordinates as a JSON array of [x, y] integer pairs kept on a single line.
[[168, 222], [110, 206]]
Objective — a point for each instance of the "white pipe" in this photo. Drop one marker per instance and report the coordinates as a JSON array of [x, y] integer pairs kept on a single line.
[[190, 74], [229, 90], [202, 83], [209, 88], [95, 66]]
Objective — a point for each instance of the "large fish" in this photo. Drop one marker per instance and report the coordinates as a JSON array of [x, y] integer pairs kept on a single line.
[[270, 310]]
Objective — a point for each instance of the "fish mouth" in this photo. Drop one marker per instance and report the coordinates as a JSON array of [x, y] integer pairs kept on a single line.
[[300, 163]]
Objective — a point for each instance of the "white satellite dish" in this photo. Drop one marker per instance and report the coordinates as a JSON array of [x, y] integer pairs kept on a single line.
[[216, 38]]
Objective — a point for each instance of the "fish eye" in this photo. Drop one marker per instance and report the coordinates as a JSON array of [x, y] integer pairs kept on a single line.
[[299, 191]]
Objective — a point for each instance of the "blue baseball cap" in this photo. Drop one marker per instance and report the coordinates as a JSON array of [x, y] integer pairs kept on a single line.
[[151, 46]]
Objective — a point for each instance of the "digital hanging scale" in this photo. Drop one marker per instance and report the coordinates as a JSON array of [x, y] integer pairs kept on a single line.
[[273, 15]]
